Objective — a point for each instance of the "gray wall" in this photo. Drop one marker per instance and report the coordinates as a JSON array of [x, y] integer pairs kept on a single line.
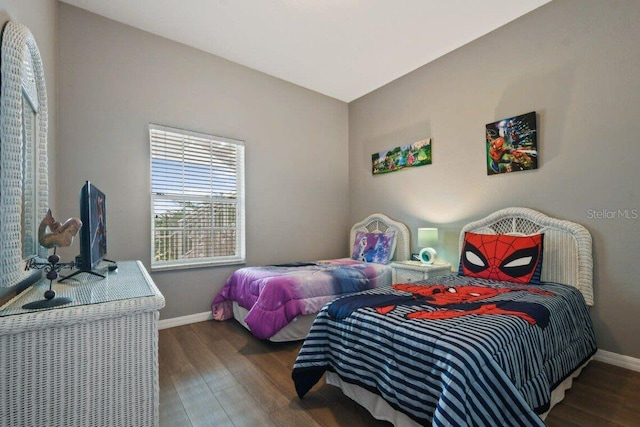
[[575, 63], [114, 80], [40, 17]]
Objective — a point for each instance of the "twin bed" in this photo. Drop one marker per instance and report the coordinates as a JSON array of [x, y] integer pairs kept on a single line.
[[496, 344], [280, 302]]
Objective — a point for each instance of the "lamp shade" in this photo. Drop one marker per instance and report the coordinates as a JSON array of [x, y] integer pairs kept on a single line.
[[427, 237]]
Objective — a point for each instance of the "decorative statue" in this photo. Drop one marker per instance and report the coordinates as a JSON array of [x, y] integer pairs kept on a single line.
[[61, 234]]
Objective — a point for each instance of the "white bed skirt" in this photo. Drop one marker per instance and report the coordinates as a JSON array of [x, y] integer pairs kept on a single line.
[[297, 330], [373, 403], [381, 410]]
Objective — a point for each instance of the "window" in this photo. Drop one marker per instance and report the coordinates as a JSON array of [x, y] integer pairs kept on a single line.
[[197, 199]]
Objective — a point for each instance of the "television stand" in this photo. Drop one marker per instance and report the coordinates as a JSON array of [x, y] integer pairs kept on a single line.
[[75, 273]]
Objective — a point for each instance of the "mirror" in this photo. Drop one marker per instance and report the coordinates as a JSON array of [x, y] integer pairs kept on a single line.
[[28, 228], [23, 152]]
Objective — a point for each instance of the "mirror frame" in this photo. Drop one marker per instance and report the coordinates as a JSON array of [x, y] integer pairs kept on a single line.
[[18, 46]]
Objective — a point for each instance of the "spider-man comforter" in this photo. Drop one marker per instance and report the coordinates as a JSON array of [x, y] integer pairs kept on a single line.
[[275, 295], [459, 351]]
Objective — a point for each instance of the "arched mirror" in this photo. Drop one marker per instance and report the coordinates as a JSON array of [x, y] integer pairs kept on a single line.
[[23, 152]]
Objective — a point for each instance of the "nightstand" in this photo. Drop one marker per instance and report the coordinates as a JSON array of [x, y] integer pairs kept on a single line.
[[413, 271]]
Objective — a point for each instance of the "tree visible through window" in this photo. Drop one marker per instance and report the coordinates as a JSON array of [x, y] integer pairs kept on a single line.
[[197, 197]]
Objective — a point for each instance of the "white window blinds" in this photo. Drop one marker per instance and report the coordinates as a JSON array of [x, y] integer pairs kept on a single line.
[[197, 197]]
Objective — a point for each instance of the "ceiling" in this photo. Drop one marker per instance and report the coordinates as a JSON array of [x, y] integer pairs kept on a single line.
[[340, 48]]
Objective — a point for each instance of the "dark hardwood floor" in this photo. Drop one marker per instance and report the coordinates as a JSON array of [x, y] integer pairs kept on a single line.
[[218, 374]]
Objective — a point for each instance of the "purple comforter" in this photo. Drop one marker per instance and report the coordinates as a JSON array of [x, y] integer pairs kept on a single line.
[[275, 295]]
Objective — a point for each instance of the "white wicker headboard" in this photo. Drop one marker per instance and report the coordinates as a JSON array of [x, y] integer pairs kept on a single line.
[[567, 255], [380, 223]]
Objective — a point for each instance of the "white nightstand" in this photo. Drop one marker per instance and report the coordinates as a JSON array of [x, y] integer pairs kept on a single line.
[[413, 271]]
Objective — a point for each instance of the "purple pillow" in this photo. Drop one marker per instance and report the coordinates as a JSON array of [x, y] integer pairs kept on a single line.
[[374, 247]]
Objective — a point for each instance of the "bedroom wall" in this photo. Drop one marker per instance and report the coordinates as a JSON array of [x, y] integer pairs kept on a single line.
[[574, 62], [114, 80], [40, 17]]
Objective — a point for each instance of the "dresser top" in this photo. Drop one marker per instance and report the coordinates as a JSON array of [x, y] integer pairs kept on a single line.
[[130, 281]]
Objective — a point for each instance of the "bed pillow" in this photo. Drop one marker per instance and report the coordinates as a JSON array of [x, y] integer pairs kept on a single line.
[[516, 259], [374, 247]]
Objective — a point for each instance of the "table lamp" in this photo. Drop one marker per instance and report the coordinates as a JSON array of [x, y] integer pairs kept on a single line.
[[427, 237]]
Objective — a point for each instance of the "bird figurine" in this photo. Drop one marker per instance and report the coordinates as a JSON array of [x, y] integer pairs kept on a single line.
[[60, 234]]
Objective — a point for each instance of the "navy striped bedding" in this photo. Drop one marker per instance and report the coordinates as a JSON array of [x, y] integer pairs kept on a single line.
[[483, 360]]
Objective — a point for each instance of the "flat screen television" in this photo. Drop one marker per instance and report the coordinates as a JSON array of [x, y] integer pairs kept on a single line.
[[93, 233]]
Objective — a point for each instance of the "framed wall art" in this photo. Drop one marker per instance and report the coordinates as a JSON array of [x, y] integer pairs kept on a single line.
[[405, 156], [512, 144]]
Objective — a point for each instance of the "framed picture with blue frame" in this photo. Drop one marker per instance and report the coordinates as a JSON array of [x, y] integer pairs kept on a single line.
[[512, 144]]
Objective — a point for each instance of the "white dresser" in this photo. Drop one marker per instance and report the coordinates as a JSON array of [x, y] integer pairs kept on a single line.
[[92, 362]]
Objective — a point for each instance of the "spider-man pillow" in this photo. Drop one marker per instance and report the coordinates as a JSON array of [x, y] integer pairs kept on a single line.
[[503, 257]]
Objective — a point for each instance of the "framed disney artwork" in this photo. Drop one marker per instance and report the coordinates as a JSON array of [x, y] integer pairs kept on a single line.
[[402, 157]]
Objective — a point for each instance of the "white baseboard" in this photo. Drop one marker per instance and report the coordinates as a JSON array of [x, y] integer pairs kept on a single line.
[[618, 360], [604, 356], [185, 320]]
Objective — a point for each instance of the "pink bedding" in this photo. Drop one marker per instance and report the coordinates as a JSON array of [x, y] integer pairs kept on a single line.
[[275, 295]]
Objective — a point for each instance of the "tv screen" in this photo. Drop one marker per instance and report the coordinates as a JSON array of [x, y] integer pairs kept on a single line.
[[93, 234]]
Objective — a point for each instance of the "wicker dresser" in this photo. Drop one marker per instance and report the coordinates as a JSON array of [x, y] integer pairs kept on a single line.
[[414, 271], [92, 362]]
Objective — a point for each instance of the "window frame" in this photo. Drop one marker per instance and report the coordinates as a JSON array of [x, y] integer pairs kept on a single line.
[[240, 242]]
